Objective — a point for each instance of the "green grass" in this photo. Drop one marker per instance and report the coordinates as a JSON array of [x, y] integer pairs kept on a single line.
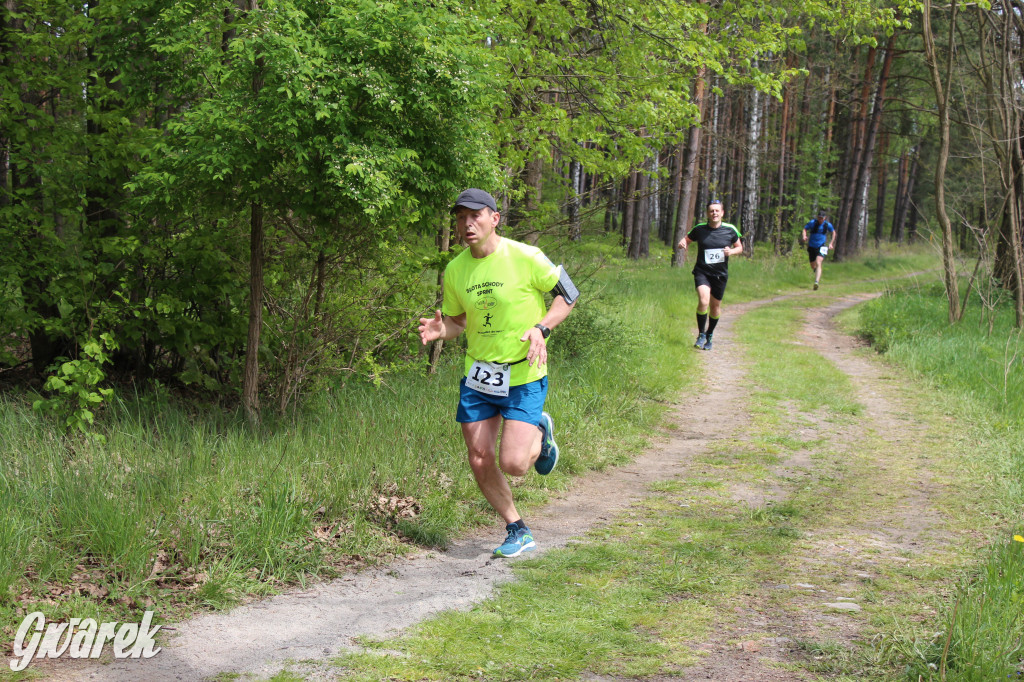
[[976, 367], [910, 326], [805, 380], [763, 277], [625, 602], [982, 637]]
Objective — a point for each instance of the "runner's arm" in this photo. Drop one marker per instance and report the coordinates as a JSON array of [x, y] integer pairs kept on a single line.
[[736, 249], [556, 314], [441, 327]]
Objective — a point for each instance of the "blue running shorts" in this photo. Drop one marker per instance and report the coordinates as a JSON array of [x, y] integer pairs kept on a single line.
[[524, 403]]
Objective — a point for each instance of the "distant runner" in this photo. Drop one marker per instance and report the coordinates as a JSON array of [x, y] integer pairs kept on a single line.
[[814, 235], [494, 291], [716, 241]]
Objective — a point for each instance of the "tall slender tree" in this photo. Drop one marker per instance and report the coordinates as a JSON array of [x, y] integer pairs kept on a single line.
[[942, 90]]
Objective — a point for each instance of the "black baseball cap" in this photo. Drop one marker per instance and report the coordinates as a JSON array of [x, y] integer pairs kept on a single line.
[[822, 213], [475, 199]]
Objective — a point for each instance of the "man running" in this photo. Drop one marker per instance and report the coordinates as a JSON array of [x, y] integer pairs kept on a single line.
[[716, 241], [814, 235], [494, 291]]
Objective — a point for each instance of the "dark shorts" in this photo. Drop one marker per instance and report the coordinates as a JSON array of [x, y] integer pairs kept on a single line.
[[717, 284], [814, 253], [524, 403]]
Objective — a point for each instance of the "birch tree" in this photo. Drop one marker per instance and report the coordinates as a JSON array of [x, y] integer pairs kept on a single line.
[[750, 184]]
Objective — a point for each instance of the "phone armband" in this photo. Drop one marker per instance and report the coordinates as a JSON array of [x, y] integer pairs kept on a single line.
[[565, 288]]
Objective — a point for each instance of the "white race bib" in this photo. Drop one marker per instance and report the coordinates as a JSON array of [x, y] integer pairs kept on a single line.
[[489, 377], [712, 256], [823, 251]]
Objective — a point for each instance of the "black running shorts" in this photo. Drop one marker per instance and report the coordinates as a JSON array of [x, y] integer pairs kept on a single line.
[[716, 283]]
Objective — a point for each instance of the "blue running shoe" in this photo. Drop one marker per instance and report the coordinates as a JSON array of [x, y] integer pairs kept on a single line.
[[702, 338], [707, 342], [519, 540], [548, 458]]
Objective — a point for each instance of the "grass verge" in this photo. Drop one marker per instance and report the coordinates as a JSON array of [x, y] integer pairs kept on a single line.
[[976, 367]]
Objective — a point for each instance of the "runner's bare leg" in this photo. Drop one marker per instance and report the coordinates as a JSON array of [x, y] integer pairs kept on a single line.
[[481, 442], [520, 447]]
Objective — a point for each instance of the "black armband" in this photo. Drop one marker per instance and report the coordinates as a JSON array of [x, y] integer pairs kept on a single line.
[[565, 288]]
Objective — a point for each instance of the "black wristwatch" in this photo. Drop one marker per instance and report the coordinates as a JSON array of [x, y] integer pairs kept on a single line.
[[544, 331]]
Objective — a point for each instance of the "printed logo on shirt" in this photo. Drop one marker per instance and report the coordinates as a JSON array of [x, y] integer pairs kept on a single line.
[[483, 288]]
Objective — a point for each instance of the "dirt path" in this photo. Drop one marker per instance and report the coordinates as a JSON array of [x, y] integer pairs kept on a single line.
[[827, 574], [311, 626]]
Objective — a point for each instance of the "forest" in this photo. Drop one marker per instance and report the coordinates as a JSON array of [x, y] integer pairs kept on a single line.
[[243, 199]]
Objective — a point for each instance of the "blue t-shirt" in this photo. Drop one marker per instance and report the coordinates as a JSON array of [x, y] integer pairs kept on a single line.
[[817, 233]]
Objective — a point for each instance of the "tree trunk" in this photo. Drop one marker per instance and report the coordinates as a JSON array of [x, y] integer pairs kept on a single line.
[[831, 122], [714, 183], [688, 177], [640, 224], [902, 169], [912, 223], [669, 198], [913, 168], [6, 28], [251, 378], [787, 101], [862, 213], [1016, 198], [747, 221], [629, 197], [942, 100], [250, 381], [654, 190], [827, 122], [736, 159], [858, 224], [883, 179], [1005, 131], [444, 232], [611, 210], [851, 190], [533, 179], [575, 172]]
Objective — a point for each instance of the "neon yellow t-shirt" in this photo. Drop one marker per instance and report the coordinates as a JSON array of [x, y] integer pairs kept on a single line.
[[503, 296]]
